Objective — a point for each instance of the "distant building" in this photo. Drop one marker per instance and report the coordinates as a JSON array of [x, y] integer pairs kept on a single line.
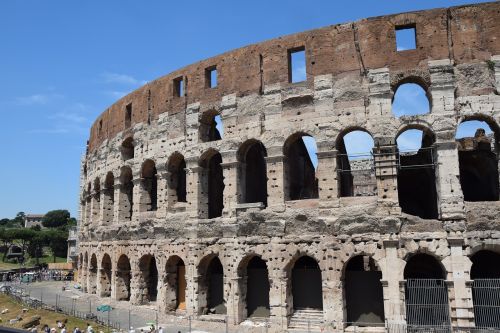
[[32, 220]]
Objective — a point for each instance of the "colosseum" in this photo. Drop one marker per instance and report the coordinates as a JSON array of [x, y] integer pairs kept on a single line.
[[200, 196]]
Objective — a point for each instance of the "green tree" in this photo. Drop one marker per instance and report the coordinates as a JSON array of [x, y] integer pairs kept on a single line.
[[56, 218], [4, 222], [58, 242]]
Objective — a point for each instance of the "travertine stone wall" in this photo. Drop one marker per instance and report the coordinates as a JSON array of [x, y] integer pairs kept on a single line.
[[353, 71]]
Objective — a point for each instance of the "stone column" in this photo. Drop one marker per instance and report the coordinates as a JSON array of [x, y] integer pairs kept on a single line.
[[386, 171], [230, 172], [138, 198], [162, 176], [114, 273], [231, 286], [448, 188], [275, 179], [327, 176], [392, 271], [277, 300], [462, 308], [194, 192], [192, 292]]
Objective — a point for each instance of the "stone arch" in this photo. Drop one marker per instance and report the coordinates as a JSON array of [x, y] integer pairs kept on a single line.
[[478, 161], [126, 200], [175, 283], [252, 172], [208, 126], [254, 287], [148, 279], [108, 198], [149, 189], [417, 175], [211, 286], [485, 274], [356, 171], [212, 183], [92, 275], [305, 284], [127, 148], [123, 278], [363, 292], [105, 276], [300, 173], [176, 166]]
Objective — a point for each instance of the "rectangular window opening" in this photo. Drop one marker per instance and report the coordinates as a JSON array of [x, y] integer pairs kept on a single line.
[[179, 87], [128, 115], [211, 77], [406, 38], [297, 65]]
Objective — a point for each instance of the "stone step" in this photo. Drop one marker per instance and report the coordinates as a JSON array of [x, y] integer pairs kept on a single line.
[[304, 319]]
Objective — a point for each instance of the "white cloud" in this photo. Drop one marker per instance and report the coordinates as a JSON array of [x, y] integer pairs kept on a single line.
[[122, 79], [37, 99]]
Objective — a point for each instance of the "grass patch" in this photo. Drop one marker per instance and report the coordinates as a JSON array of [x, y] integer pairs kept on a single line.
[[30, 262], [47, 317]]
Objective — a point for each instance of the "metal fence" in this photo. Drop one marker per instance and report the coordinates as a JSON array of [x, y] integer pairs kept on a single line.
[[118, 319], [486, 299]]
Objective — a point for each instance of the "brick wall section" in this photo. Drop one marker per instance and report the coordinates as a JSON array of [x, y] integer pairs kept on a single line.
[[464, 34]]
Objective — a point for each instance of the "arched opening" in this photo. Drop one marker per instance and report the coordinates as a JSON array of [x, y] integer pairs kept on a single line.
[[150, 186], [355, 166], [363, 291], [416, 173], [126, 194], [300, 167], [148, 282], [211, 288], [105, 279], [254, 288], [252, 172], [485, 275], [88, 204], [127, 149], [426, 293], [92, 277], [478, 160], [123, 277], [212, 183], [108, 198], [211, 126], [177, 169], [307, 290], [410, 99], [175, 282]]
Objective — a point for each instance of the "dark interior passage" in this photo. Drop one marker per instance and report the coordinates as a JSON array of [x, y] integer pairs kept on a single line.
[[363, 292], [300, 171], [208, 127], [123, 277], [257, 288], [215, 292], [306, 284], [255, 182], [177, 169], [215, 186], [150, 180], [127, 190], [106, 276], [478, 168], [485, 273], [149, 278], [417, 181], [181, 286]]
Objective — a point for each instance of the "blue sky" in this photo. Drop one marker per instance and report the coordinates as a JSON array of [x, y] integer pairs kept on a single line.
[[63, 62]]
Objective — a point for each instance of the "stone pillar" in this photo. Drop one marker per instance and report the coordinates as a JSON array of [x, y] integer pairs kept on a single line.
[[496, 63], [162, 176], [114, 273], [194, 192], [136, 290], [448, 188], [138, 198], [327, 176], [460, 295], [392, 283], [230, 172], [191, 288], [231, 286], [386, 171], [277, 300], [333, 297], [275, 178]]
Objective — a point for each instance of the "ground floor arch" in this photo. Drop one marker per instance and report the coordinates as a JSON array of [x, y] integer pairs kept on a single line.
[[306, 284], [211, 286], [254, 288], [92, 275], [123, 277], [363, 292], [148, 279], [105, 276], [175, 284], [485, 276]]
